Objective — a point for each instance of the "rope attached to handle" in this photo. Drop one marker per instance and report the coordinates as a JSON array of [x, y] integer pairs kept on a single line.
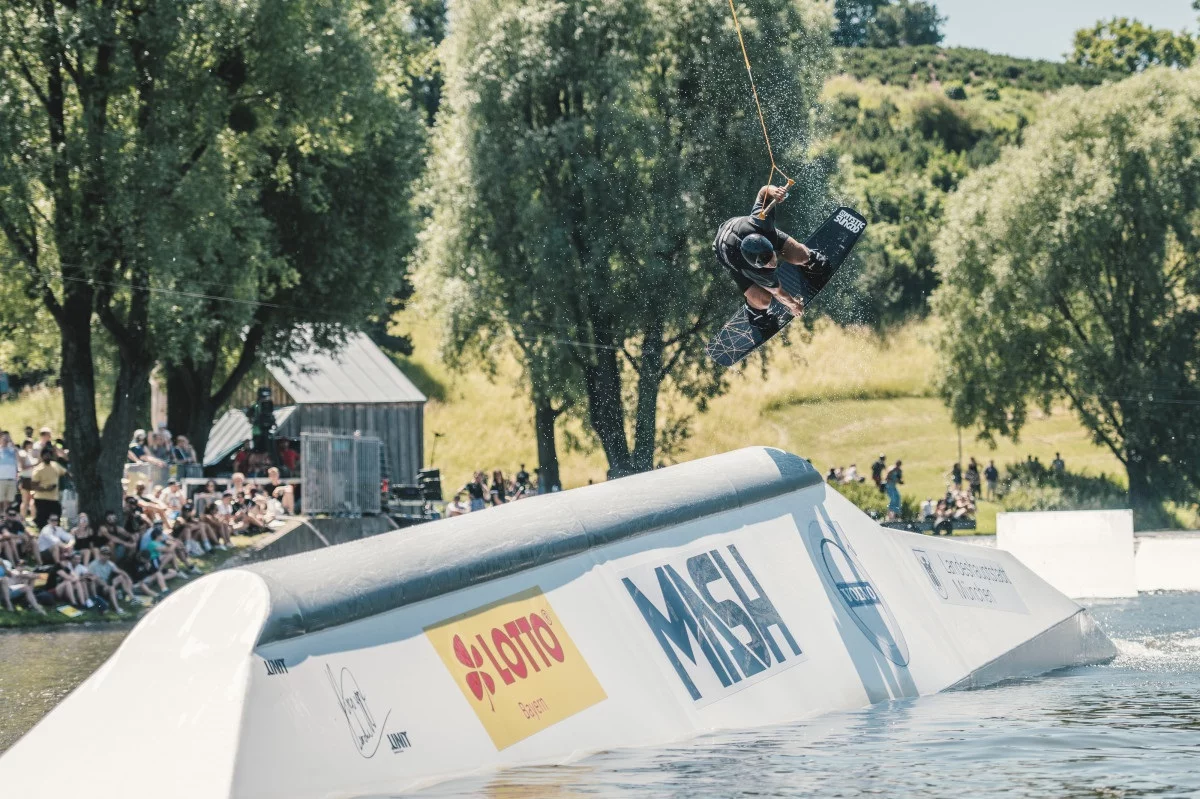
[[737, 25]]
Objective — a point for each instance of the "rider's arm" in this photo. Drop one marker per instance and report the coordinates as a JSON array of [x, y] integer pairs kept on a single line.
[[794, 304], [794, 252]]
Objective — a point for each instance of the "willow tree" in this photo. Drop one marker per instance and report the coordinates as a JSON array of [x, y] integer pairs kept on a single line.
[[134, 140], [1071, 271], [585, 154]]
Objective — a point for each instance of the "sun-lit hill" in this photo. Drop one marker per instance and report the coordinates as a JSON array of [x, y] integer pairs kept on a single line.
[[842, 397]]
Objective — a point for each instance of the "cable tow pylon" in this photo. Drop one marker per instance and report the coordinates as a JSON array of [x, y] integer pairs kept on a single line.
[[762, 120]]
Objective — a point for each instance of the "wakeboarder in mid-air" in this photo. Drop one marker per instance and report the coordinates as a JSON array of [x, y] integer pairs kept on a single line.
[[750, 248]]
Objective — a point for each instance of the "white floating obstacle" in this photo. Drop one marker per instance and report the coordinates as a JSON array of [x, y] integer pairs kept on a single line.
[[1081, 553], [1096, 554], [728, 592]]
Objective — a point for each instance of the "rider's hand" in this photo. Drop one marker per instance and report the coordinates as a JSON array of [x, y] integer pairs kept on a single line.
[[776, 193], [795, 305]]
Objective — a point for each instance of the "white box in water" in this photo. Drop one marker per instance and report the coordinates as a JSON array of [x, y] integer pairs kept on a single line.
[[1081, 553], [1168, 561]]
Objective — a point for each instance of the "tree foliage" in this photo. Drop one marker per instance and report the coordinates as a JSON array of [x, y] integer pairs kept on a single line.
[[902, 154], [1070, 272], [1126, 45], [141, 142], [586, 154], [886, 23], [916, 66]]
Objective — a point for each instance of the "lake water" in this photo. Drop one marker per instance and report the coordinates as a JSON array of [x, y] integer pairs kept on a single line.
[[1127, 729]]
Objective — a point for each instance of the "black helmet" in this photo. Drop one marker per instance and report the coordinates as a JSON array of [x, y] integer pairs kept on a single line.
[[757, 249]]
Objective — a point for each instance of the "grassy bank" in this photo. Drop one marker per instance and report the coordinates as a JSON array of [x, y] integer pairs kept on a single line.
[[840, 398]]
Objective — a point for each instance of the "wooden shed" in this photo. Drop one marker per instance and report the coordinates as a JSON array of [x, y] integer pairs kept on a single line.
[[357, 388]]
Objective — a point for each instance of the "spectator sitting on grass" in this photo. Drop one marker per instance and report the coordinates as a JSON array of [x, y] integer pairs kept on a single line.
[[107, 577], [136, 522], [229, 512], [112, 576], [258, 516], [188, 532], [17, 583], [119, 541], [147, 504], [54, 543], [87, 540], [282, 492], [85, 579], [209, 495], [14, 538], [158, 553], [851, 475], [173, 499], [219, 530], [459, 506], [66, 587], [927, 509], [942, 523]]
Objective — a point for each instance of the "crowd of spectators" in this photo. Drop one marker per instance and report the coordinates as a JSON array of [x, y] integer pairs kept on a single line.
[[480, 493], [130, 555]]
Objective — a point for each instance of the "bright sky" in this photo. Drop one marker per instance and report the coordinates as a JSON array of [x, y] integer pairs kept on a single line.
[[1045, 28]]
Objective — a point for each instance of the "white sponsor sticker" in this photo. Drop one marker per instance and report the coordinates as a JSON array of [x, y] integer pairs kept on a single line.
[[849, 221], [970, 581]]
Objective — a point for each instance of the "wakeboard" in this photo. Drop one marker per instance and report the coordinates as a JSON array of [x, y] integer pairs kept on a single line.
[[835, 238]]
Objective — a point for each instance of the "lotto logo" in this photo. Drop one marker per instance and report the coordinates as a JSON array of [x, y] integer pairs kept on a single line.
[[712, 602], [516, 665], [849, 221]]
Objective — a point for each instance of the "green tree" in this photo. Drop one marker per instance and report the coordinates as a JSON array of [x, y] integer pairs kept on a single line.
[[1131, 46], [587, 153], [334, 201], [884, 23], [1070, 270], [133, 140]]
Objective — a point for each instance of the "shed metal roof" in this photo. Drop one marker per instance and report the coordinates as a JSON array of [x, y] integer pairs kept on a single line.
[[231, 430], [358, 373]]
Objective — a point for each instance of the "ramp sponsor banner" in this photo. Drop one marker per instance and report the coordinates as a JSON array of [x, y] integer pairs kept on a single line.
[[714, 620], [858, 594], [969, 581], [516, 666]]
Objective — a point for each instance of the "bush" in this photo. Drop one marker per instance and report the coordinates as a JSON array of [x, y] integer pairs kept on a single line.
[[1030, 486], [956, 92], [905, 65]]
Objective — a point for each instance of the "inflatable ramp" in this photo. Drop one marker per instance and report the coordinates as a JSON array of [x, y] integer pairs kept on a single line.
[[733, 591]]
